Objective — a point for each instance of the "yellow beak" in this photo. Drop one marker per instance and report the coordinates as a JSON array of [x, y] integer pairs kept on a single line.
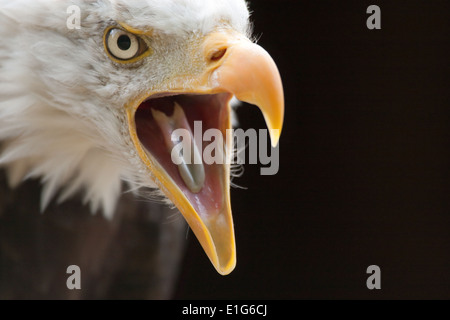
[[249, 72], [239, 67]]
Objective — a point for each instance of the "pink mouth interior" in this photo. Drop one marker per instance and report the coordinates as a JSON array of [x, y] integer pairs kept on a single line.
[[213, 112]]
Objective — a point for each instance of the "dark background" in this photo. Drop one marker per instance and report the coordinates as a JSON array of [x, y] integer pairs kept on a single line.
[[364, 173]]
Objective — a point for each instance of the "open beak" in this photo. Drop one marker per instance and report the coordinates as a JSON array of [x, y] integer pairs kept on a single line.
[[200, 189]]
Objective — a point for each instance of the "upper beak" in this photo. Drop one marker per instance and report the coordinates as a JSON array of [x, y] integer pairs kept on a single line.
[[249, 72], [244, 69]]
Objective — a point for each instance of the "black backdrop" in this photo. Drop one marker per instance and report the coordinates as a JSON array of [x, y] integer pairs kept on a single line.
[[364, 173]]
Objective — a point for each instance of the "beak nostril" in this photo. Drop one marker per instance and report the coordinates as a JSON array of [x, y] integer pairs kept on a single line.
[[217, 54]]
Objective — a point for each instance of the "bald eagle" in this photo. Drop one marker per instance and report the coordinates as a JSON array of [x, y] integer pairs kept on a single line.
[[89, 111]]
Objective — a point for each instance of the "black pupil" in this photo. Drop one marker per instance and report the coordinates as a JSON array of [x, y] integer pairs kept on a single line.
[[124, 42]]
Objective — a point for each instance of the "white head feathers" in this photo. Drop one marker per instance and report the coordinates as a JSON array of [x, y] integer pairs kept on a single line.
[[61, 98]]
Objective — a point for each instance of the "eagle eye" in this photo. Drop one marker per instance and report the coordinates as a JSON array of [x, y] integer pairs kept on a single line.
[[124, 46]]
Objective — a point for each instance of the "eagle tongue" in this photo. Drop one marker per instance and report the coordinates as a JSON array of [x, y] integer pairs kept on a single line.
[[185, 153]]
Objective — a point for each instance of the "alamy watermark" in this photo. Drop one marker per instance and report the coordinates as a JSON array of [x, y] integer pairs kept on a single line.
[[374, 280], [73, 282], [374, 20], [210, 147], [73, 21]]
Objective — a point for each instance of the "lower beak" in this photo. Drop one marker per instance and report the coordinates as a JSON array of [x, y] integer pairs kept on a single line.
[[241, 68]]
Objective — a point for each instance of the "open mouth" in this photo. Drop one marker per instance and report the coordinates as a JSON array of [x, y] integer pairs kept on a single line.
[[159, 118], [176, 135]]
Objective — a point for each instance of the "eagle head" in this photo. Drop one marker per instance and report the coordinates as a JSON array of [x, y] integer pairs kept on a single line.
[[95, 108]]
